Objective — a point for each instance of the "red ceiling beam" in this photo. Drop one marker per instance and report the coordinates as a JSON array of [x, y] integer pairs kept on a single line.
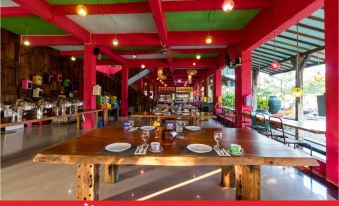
[[52, 40], [109, 52], [179, 51], [42, 9], [279, 18], [196, 38], [168, 6], [159, 19], [120, 8], [203, 5], [154, 63], [71, 53], [14, 11]]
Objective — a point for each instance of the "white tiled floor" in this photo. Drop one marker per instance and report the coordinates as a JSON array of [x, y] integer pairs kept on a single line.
[[21, 179]]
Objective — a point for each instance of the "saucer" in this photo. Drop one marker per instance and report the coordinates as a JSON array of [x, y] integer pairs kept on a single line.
[[237, 153], [154, 151]]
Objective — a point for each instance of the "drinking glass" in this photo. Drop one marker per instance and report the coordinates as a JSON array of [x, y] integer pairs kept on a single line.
[[131, 123], [218, 137], [179, 126], [145, 136]]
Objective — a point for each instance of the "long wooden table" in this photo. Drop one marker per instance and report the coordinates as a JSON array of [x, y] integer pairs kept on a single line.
[[8, 121], [195, 118], [241, 172]]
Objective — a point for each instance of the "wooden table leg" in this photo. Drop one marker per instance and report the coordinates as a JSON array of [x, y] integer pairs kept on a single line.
[[228, 176], [87, 182], [111, 173], [77, 117], [247, 182]]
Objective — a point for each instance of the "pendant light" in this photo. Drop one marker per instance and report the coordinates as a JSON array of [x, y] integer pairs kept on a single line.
[[189, 79], [275, 65], [26, 42], [209, 38], [198, 56], [318, 77], [73, 58], [81, 10], [115, 41], [228, 5], [296, 91], [160, 71]]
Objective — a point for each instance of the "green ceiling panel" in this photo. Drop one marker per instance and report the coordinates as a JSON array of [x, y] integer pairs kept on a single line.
[[65, 2], [36, 26], [219, 20], [187, 56]]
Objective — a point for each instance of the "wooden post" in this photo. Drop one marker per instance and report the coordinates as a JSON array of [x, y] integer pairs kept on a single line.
[[105, 116], [228, 176], [299, 63], [87, 182], [255, 75], [96, 114], [111, 173], [247, 182]]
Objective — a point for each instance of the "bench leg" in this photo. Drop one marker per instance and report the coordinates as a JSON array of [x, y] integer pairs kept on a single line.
[[247, 182], [111, 173], [228, 176], [87, 182]]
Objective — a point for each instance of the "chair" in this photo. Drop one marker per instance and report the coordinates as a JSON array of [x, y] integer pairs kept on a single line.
[[260, 124], [278, 133], [247, 119]]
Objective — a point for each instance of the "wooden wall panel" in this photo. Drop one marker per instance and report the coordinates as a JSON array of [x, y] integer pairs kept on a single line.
[[19, 62]]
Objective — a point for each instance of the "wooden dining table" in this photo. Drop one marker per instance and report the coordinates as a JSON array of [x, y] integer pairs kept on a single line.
[[242, 172], [196, 119]]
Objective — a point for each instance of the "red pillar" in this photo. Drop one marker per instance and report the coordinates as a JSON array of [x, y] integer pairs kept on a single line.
[[89, 82], [217, 84], [243, 82], [124, 91], [332, 77]]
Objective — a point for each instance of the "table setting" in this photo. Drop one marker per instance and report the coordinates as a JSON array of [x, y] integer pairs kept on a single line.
[[165, 136]]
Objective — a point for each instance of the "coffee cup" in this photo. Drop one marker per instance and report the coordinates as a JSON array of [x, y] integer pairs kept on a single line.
[[155, 146], [235, 148]]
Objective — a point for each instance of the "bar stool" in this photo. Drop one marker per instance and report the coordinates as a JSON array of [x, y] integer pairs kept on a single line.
[[260, 124], [278, 133]]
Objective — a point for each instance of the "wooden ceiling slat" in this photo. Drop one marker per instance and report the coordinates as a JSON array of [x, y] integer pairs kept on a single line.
[[300, 41], [305, 35]]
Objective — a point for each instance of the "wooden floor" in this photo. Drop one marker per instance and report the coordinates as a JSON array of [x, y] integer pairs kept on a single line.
[[21, 179]]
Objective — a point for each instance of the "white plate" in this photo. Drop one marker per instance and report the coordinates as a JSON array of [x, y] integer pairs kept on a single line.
[[199, 148], [185, 114], [157, 113], [147, 128], [193, 128], [118, 147]]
